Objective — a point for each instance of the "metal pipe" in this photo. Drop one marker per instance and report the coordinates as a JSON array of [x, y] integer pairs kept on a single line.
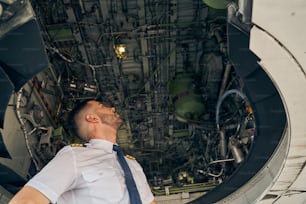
[[53, 74], [236, 152], [1, 9], [221, 160], [216, 175], [245, 9], [225, 78], [222, 144]]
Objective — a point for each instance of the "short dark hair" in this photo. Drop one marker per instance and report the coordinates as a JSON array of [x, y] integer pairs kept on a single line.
[[72, 126]]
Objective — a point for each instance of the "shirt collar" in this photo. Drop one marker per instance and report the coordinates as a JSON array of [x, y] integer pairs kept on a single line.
[[101, 144]]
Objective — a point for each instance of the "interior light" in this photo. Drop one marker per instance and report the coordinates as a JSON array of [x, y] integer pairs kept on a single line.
[[121, 51]]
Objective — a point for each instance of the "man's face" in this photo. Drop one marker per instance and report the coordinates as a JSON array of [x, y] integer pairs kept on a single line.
[[107, 115]]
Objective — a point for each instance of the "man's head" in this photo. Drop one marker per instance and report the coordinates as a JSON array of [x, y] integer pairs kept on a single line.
[[90, 118]]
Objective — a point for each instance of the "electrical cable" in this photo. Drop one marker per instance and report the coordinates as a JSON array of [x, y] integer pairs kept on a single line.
[[25, 132]]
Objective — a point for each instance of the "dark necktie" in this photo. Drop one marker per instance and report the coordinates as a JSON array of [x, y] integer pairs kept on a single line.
[[129, 180]]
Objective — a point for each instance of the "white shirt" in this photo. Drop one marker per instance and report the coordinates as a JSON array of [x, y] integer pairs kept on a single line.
[[91, 175]]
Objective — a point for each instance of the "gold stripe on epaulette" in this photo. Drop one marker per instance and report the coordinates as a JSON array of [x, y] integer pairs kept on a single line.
[[130, 157], [77, 145]]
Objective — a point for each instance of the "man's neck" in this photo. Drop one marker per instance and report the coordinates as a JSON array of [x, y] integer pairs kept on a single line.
[[106, 133]]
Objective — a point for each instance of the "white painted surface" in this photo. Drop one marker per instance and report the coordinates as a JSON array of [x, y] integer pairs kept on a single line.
[[279, 39]]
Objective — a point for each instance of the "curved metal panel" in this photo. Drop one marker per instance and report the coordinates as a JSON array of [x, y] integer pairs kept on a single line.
[[6, 89], [22, 53], [269, 113]]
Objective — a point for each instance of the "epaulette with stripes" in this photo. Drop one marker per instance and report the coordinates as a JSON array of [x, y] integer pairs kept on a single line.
[[130, 157], [77, 145]]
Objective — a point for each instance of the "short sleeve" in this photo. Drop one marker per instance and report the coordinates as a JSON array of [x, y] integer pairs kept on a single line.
[[58, 176], [141, 181]]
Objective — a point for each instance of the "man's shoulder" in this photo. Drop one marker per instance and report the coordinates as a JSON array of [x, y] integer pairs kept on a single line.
[[70, 148], [77, 147]]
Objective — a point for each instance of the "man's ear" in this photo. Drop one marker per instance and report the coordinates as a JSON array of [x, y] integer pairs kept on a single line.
[[91, 118]]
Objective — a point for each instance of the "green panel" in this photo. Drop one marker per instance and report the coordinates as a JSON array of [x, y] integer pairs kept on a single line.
[[181, 133], [189, 107], [60, 32], [216, 4], [181, 83]]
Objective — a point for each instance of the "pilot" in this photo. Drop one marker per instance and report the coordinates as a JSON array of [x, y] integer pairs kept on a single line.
[[90, 174]]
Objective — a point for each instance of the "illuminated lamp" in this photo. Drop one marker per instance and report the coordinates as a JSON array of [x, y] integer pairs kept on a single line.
[[121, 51]]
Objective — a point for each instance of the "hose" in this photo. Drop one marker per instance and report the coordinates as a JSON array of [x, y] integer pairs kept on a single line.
[[221, 99]]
